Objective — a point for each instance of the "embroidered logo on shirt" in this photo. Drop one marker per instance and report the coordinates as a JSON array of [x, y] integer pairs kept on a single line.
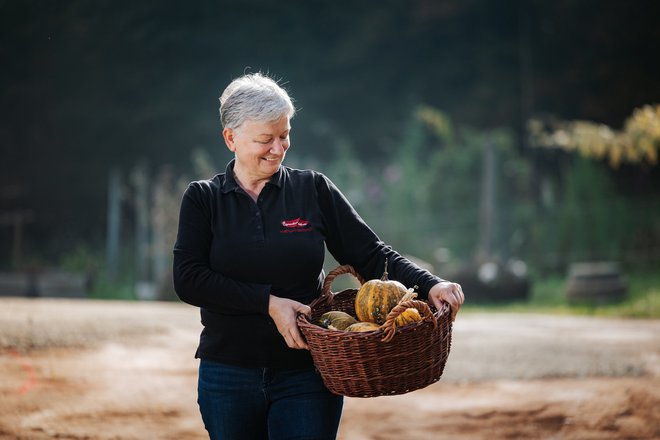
[[295, 225]]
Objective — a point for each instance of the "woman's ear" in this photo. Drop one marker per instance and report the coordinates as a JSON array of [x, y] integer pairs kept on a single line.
[[228, 135]]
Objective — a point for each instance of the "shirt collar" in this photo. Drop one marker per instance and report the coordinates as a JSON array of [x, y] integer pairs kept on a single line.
[[230, 184]]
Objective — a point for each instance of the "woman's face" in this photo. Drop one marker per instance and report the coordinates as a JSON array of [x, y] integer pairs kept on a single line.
[[259, 146]]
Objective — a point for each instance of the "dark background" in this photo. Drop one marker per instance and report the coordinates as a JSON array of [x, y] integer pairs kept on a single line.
[[92, 85]]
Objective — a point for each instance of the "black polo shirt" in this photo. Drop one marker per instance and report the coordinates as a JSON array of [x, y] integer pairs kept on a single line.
[[231, 253]]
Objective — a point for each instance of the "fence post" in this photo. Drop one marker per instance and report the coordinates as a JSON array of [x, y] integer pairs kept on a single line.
[[487, 212], [144, 286], [114, 224]]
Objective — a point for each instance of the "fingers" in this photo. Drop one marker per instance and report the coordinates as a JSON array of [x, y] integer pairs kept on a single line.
[[297, 340], [284, 313], [457, 299], [437, 302], [449, 292], [459, 291], [293, 337], [305, 310]]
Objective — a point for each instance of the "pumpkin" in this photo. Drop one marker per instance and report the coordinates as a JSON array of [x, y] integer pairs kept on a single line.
[[336, 320], [376, 298], [362, 327], [408, 316]]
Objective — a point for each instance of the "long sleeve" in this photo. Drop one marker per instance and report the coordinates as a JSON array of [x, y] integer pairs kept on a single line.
[[351, 241], [194, 281]]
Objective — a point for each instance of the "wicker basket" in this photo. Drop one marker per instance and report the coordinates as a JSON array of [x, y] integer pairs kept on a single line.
[[383, 362]]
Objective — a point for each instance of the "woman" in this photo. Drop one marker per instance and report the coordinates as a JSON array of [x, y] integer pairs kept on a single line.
[[249, 253]]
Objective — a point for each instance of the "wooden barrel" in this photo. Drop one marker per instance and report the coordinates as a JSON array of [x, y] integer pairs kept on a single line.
[[595, 283]]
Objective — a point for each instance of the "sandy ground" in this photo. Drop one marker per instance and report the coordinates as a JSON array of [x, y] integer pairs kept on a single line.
[[74, 369]]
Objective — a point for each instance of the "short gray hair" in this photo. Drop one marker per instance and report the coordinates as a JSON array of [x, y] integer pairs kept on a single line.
[[256, 97]]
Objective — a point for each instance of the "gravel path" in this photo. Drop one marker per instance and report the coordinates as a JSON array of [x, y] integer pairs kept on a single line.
[[113, 370], [529, 346], [484, 346]]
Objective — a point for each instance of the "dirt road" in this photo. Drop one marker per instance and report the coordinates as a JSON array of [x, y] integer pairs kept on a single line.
[[125, 370]]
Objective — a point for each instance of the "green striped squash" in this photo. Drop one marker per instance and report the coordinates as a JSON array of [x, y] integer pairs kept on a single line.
[[376, 298]]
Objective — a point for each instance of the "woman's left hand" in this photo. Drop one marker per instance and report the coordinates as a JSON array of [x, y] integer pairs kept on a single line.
[[448, 292]]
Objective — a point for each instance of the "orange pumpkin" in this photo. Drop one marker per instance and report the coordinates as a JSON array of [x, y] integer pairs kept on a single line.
[[376, 298], [408, 316]]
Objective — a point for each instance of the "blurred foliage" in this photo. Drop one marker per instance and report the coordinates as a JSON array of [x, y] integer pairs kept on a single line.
[[592, 216], [89, 86], [92, 86], [80, 259], [603, 203], [168, 189], [425, 198], [83, 259], [638, 143], [425, 201]]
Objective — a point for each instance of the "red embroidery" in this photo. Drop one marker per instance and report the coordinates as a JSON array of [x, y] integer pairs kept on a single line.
[[295, 225]]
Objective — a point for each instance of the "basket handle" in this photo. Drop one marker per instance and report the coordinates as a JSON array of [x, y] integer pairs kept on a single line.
[[389, 327], [326, 294]]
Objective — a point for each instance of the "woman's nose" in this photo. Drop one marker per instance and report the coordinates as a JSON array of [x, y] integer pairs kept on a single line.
[[279, 146]]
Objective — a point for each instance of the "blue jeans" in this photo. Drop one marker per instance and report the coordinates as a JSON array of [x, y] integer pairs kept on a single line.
[[264, 403]]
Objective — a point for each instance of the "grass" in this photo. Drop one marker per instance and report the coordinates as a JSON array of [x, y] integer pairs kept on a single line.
[[105, 289], [547, 296]]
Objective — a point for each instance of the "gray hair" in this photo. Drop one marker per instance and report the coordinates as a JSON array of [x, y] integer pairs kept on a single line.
[[255, 97]]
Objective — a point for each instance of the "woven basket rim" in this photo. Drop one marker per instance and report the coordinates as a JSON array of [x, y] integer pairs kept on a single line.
[[303, 320]]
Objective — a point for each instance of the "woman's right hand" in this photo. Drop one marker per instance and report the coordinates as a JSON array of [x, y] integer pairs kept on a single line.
[[284, 312]]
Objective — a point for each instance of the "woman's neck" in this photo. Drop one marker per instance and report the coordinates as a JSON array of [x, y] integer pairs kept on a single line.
[[251, 185]]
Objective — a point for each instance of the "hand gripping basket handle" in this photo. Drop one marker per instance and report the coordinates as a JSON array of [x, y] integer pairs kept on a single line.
[[326, 294], [389, 326]]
